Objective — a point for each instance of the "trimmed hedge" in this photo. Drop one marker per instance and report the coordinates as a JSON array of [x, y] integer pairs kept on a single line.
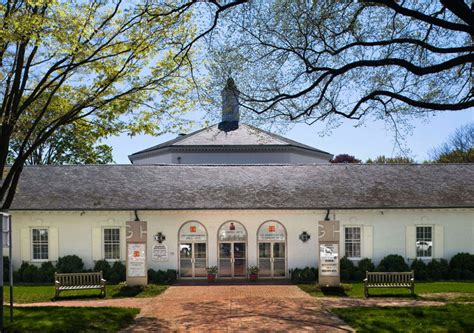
[[162, 277], [70, 264], [393, 263], [353, 272], [305, 275], [461, 266]]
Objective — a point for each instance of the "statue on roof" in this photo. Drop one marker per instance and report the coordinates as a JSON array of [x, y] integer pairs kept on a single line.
[[230, 107]]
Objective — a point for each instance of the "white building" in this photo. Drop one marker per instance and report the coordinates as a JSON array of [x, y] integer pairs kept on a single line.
[[239, 198]]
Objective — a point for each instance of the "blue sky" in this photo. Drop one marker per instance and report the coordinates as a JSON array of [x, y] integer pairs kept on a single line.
[[368, 141]]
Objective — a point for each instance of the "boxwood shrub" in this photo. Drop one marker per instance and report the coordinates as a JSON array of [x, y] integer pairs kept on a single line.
[[70, 264], [304, 275], [393, 263]]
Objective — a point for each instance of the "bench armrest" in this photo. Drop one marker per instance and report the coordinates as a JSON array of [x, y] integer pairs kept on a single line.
[[412, 279], [103, 281], [364, 280], [57, 283]]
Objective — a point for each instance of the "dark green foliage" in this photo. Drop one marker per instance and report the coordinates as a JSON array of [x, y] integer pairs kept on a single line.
[[366, 265], [461, 266], [46, 272], [28, 273], [104, 266], [70, 264], [437, 269], [117, 273], [421, 271], [305, 275], [347, 269], [162, 277], [393, 263]]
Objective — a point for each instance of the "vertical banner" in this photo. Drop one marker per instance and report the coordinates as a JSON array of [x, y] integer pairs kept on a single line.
[[329, 272], [136, 235]]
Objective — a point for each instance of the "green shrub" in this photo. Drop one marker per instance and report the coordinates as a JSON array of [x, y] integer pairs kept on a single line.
[[461, 266], [46, 272], [393, 263], [421, 271], [28, 273], [70, 264], [104, 266], [366, 265], [437, 269], [347, 269], [162, 277], [305, 275], [117, 272]]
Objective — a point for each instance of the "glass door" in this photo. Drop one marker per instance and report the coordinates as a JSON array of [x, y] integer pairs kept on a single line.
[[239, 255], [192, 260], [225, 259], [272, 259]]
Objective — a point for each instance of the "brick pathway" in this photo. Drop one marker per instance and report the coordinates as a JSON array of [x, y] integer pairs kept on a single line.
[[237, 308]]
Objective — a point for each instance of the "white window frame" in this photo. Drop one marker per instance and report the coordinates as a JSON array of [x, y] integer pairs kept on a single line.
[[432, 240], [33, 247], [361, 230], [119, 243]]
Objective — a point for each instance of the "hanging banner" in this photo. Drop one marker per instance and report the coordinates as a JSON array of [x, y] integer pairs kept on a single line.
[[136, 236], [328, 237]]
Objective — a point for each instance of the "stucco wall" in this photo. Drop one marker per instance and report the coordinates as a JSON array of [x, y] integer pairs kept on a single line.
[[76, 231]]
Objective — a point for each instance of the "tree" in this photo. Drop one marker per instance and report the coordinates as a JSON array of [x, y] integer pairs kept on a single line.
[[345, 158], [119, 63], [382, 159], [323, 60], [459, 148]]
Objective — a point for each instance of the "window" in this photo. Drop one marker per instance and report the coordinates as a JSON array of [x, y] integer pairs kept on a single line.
[[40, 244], [424, 242], [352, 242], [112, 243]]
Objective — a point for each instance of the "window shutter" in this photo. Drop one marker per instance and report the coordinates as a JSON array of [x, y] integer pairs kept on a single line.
[[438, 241], [25, 244], [122, 243], [96, 244], [410, 240], [53, 244], [368, 241]]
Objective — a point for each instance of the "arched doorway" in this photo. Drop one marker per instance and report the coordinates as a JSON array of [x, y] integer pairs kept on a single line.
[[232, 248], [192, 240], [271, 238]]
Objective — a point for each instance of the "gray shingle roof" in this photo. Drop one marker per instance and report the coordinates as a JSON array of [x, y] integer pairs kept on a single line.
[[244, 136], [111, 187]]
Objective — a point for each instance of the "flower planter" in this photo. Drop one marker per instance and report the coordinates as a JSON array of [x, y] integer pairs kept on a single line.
[[211, 277], [253, 277]]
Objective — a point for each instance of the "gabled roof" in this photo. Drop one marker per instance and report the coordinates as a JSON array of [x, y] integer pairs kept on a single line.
[[244, 136], [317, 186]]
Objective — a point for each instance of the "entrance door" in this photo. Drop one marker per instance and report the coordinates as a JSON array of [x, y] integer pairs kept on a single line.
[[192, 260], [272, 259], [232, 259], [272, 250]]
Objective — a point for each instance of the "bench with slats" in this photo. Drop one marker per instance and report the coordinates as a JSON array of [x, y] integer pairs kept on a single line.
[[389, 280], [79, 281]]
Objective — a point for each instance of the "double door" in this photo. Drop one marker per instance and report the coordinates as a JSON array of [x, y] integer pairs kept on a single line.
[[272, 259], [233, 259], [192, 260]]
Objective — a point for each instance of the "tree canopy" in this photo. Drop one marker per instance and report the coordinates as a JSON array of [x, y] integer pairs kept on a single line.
[[458, 148]]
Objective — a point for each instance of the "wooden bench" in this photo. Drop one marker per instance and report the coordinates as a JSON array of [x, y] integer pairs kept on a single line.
[[389, 280], [79, 281]]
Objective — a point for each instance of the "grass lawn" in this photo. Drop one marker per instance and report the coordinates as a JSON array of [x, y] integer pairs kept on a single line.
[[423, 290], [59, 319], [448, 318], [33, 294]]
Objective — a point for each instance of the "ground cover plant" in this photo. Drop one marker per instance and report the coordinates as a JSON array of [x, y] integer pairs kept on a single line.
[[34, 294], [447, 318], [66, 319]]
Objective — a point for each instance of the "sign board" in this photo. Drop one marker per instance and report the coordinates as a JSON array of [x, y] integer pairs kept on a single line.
[[329, 272], [329, 259], [192, 232], [232, 231], [136, 236], [159, 252], [136, 254], [271, 231]]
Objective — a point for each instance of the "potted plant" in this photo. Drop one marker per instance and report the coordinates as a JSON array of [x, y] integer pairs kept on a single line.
[[211, 273], [253, 273]]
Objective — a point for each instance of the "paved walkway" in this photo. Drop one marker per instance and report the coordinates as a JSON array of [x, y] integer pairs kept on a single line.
[[236, 308]]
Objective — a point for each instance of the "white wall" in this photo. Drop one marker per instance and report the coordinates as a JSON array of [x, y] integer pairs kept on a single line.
[[75, 231]]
